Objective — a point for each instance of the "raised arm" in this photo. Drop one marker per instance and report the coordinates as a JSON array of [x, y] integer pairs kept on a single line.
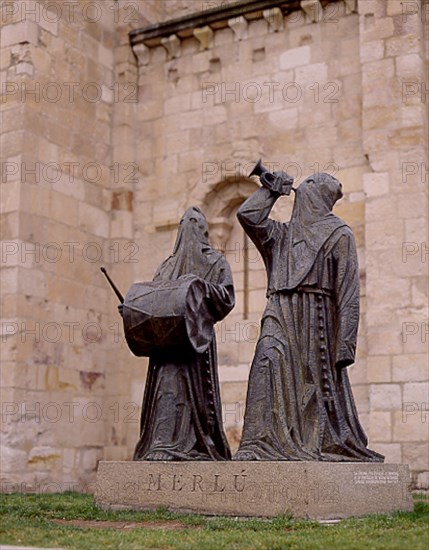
[[253, 216]]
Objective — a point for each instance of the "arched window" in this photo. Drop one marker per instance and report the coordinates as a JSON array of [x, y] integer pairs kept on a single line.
[[226, 234]]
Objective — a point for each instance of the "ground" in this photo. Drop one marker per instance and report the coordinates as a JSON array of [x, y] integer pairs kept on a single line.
[[72, 521]]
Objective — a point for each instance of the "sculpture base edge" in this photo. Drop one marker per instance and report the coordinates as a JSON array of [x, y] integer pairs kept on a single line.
[[308, 490]]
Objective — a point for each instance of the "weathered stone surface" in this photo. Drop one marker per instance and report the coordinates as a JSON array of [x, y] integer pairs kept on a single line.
[[311, 490], [254, 97]]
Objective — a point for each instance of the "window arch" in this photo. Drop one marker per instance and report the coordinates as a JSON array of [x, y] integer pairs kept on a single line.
[[226, 234]]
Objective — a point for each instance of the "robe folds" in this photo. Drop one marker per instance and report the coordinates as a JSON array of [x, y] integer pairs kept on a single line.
[[299, 402], [181, 413]]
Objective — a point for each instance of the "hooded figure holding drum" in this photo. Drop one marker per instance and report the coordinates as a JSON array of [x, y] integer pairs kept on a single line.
[[171, 320]]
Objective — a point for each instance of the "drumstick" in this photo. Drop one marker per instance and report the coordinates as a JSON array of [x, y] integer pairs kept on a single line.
[[112, 284]]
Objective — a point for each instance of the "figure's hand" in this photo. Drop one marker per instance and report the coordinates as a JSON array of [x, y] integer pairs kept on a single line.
[[283, 183], [121, 309], [187, 276]]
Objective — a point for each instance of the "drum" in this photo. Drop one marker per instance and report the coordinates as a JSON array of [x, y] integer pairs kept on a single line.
[[167, 316]]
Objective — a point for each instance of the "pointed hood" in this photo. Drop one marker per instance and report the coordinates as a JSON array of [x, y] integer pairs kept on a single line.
[[192, 253], [312, 223]]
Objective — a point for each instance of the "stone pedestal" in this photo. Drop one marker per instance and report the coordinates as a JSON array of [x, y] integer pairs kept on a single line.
[[312, 490]]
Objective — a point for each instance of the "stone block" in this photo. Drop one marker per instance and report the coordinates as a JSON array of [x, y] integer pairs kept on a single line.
[[391, 452], [397, 45], [49, 152], [12, 460], [287, 118], [376, 184], [416, 392], [121, 225], [116, 453], [234, 392], [177, 104], [191, 160], [105, 56], [311, 490], [74, 188], [201, 62], [93, 220], [24, 31], [411, 423], [89, 458], [416, 455], [63, 208], [239, 373], [413, 115], [414, 331], [410, 66], [360, 393], [9, 280], [347, 129], [43, 457], [193, 119], [215, 115], [377, 72], [257, 301], [419, 292], [10, 196], [383, 293], [357, 372], [378, 368], [404, 138], [396, 7], [310, 74], [295, 57], [173, 144], [375, 28], [386, 234], [32, 282], [423, 481], [380, 207], [12, 373], [352, 214], [268, 104], [69, 459], [380, 426], [385, 397], [376, 140], [412, 205], [371, 51], [49, 21], [228, 337], [151, 110]]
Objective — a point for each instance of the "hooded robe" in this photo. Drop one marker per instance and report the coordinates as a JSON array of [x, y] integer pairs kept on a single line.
[[181, 413], [299, 402]]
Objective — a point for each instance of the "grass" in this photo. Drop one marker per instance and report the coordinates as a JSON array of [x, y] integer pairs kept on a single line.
[[29, 520]]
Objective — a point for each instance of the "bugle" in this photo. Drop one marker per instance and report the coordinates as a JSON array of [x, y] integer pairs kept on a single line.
[[274, 181]]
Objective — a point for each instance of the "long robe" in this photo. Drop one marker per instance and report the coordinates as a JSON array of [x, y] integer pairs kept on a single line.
[[299, 402], [181, 414]]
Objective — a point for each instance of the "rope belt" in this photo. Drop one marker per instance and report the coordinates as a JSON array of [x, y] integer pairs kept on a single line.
[[301, 290]]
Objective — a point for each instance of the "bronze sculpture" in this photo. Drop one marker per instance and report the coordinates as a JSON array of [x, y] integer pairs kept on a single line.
[[171, 320], [299, 402]]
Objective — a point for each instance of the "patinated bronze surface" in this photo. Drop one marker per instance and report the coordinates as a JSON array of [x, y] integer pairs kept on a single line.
[[171, 320], [299, 403]]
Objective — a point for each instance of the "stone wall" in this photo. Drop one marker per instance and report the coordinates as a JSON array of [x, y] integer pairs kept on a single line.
[[65, 101], [340, 90], [393, 55]]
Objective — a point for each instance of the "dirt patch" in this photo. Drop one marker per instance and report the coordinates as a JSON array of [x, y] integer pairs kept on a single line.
[[124, 525]]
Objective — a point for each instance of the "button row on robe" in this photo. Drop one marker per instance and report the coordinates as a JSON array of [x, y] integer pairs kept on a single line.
[[322, 349]]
